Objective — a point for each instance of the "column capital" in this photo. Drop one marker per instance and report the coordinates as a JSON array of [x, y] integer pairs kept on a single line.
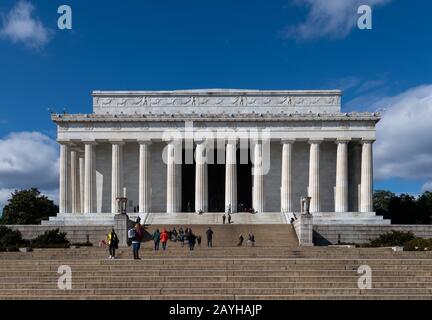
[[315, 141], [65, 142], [362, 141], [144, 141], [199, 140], [89, 142], [117, 142], [231, 141], [287, 141], [344, 140]]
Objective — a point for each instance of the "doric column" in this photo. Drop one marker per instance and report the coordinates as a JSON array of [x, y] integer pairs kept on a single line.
[[116, 174], [81, 180], [258, 179], [75, 183], [313, 190], [178, 149], [366, 187], [286, 184], [231, 176], [144, 176], [201, 191], [64, 196], [171, 178], [89, 178], [341, 189]]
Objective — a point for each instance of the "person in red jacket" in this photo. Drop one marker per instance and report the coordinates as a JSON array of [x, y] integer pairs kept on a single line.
[[164, 238]]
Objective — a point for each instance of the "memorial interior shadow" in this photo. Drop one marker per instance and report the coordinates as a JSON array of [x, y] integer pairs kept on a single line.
[[188, 186], [216, 186], [244, 184]]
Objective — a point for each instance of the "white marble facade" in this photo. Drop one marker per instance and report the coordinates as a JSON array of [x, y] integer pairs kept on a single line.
[[299, 144]]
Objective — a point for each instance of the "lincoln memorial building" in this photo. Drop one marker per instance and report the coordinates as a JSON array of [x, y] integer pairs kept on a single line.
[[216, 150]]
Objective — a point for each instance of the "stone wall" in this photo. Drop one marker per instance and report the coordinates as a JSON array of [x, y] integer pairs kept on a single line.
[[330, 234], [74, 233]]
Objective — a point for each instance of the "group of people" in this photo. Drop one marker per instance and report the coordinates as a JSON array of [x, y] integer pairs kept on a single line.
[[182, 236], [136, 233], [250, 241]]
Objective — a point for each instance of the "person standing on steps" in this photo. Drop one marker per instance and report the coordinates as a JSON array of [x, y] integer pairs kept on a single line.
[[229, 218], [156, 239], [112, 243], [164, 239], [135, 235], [191, 240], [209, 234], [223, 218], [241, 239]]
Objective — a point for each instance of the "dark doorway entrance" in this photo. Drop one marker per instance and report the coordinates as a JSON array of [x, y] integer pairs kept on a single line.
[[216, 185], [244, 184], [188, 185]]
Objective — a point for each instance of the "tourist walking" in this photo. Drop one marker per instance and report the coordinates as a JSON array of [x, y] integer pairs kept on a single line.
[[209, 234], [199, 240], [112, 243], [229, 218], [135, 235], [223, 218], [156, 239], [174, 235], [251, 240], [164, 238], [191, 240], [241, 239]]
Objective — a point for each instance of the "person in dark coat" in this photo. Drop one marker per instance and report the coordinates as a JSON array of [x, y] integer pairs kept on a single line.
[[156, 239], [241, 239], [223, 218], [191, 240], [209, 234], [229, 218]]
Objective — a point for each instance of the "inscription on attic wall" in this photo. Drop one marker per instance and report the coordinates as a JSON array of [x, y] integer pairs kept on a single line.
[[144, 101], [215, 104]]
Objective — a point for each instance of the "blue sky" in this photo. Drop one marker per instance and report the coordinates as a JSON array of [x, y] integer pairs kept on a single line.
[[145, 45]]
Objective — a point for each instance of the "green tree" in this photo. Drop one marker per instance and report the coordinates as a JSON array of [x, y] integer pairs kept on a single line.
[[424, 208], [403, 209], [28, 207], [381, 202]]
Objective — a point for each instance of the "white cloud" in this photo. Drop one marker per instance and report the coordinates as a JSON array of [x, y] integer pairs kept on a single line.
[[404, 146], [328, 18], [28, 159], [427, 186], [20, 25]]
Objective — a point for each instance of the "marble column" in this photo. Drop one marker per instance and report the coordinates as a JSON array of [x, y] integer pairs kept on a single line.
[[89, 178], [341, 189], [144, 176], [171, 178], [314, 181], [258, 179], [201, 189], [178, 149], [231, 176], [64, 196], [366, 187], [116, 174], [286, 183], [75, 183], [81, 180]]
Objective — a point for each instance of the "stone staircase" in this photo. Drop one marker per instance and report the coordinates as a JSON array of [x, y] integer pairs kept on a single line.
[[275, 269]]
